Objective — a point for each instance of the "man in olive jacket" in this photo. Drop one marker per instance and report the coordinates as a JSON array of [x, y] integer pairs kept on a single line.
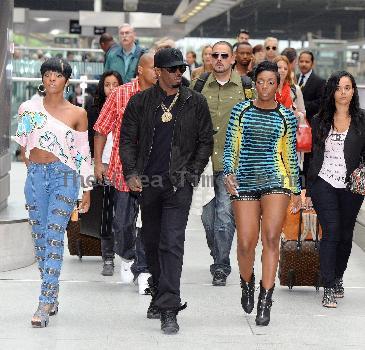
[[165, 143]]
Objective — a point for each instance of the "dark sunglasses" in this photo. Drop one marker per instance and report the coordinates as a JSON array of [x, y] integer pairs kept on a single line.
[[216, 55], [173, 69], [271, 47]]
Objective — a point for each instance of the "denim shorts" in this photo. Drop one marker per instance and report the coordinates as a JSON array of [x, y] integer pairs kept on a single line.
[[258, 194]]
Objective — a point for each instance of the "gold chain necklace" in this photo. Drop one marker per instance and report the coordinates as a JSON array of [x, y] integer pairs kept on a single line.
[[167, 116]]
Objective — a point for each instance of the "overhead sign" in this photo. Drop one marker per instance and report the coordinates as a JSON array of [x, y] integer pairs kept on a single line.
[[145, 20], [101, 19], [99, 30], [75, 27]]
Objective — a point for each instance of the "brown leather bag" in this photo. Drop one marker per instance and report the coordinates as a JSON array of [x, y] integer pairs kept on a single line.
[[308, 225], [299, 255], [78, 243]]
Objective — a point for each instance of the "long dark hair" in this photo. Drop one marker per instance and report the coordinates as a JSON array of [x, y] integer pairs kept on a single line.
[[100, 97], [328, 106]]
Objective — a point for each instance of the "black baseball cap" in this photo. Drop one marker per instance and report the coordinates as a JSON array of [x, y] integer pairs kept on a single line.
[[169, 57]]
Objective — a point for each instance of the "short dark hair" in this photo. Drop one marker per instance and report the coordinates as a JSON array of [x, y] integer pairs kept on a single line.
[[192, 53], [223, 42], [105, 38], [243, 31], [257, 48], [267, 66], [243, 43], [290, 53], [307, 52], [59, 65]]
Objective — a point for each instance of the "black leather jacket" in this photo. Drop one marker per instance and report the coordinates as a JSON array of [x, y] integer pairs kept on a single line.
[[192, 141], [354, 150]]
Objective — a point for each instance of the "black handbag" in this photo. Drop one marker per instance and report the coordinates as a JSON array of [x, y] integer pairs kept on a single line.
[[90, 222]]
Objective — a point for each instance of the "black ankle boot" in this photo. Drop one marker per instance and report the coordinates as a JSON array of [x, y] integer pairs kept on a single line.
[[169, 323], [248, 293], [153, 311], [264, 305]]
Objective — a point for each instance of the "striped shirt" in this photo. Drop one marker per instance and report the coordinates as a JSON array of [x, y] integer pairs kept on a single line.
[[260, 148], [110, 120]]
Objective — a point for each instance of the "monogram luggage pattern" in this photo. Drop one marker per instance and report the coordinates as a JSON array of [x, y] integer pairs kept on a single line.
[[299, 250], [79, 244], [83, 231]]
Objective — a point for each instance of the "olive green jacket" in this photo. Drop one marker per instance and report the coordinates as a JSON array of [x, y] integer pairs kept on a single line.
[[221, 100]]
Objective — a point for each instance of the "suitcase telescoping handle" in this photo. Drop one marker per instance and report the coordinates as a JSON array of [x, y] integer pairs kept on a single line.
[[299, 241]]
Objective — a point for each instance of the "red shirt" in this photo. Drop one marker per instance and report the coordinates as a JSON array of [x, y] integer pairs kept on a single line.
[[110, 120], [284, 97]]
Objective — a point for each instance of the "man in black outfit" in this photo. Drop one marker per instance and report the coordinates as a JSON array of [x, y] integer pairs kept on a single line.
[[312, 88], [165, 143], [311, 84]]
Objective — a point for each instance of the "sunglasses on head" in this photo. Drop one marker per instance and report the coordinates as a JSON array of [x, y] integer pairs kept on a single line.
[[216, 55], [271, 47], [173, 69]]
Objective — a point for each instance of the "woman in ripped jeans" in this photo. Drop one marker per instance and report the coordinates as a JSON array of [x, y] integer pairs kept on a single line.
[[54, 132]]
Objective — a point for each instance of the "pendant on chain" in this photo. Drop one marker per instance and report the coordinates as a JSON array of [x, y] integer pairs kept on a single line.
[[166, 117]]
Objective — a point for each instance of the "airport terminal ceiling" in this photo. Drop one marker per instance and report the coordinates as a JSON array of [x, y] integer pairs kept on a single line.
[[285, 19]]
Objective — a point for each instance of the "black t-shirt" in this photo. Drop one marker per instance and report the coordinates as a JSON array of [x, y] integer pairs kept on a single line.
[[159, 160]]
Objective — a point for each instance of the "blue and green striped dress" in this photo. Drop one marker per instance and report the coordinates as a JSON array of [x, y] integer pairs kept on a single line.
[[260, 148]]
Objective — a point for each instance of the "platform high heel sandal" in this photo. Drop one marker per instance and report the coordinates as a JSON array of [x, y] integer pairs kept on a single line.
[[329, 299], [42, 314], [54, 308]]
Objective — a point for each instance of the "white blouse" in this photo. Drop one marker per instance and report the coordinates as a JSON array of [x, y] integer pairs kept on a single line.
[[333, 168]]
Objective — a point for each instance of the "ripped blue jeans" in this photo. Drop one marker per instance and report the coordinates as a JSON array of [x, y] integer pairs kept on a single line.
[[51, 192]]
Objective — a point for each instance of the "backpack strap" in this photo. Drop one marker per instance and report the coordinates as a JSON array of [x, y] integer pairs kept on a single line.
[[199, 84], [247, 87], [293, 90], [242, 112]]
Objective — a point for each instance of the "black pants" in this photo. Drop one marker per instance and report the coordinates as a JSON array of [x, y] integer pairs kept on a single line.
[[107, 234], [164, 217], [337, 210]]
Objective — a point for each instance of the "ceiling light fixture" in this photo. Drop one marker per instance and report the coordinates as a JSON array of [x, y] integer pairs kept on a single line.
[[194, 8], [42, 19], [55, 31]]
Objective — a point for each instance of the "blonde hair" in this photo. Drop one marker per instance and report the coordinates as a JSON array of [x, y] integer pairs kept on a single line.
[[163, 43], [270, 38]]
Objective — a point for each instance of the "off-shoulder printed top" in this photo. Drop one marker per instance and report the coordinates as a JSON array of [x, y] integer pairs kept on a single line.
[[37, 128]]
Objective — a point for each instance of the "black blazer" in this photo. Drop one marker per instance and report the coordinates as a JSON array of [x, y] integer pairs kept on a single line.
[[312, 94], [354, 150]]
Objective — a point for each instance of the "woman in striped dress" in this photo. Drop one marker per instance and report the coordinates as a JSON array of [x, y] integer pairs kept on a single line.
[[262, 173]]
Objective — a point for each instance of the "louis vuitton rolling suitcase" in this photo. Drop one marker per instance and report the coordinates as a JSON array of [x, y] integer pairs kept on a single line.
[[83, 230], [299, 250]]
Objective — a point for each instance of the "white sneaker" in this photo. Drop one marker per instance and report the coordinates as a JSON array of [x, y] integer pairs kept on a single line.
[[126, 275], [143, 282]]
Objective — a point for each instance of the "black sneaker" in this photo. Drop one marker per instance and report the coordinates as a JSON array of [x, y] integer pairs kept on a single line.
[[108, 268], [219, 278], [169, 323]]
